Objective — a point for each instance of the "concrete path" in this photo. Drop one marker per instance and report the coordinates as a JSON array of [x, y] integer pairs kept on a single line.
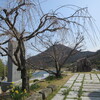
[[80, 87]]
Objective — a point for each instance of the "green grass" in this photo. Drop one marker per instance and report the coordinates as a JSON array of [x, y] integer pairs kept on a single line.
[[90, 76], [34, 87], [98, 77], [80, 90]]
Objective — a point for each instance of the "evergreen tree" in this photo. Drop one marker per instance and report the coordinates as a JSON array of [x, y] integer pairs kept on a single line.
[[2, 69]]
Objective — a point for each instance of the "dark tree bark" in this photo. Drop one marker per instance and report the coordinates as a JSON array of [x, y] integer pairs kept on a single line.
[[25, 79]]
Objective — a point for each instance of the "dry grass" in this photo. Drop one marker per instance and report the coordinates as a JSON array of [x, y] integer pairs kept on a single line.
[[57, 82]]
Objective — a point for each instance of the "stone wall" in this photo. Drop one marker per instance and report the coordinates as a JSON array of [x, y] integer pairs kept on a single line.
[[43, 94]]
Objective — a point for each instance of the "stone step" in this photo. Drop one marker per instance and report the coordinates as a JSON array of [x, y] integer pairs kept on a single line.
[[75, 88], [91, 90], [58, 97], [62, 89], [77, 84], [91, 84], [71, 99], [90, 98], [67, 85], [91, 87]]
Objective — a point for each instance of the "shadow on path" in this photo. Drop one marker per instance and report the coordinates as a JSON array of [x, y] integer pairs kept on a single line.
[[95, 95]]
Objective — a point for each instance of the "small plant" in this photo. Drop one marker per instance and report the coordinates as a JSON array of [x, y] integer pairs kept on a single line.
[[50, 78], [80, 92], [17, 94], [79, 98], [34, 86], [90, 76], [65, 92], [49, 81], [35, 80]]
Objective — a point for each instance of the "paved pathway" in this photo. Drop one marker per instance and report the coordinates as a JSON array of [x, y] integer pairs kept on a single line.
[[80, 87]]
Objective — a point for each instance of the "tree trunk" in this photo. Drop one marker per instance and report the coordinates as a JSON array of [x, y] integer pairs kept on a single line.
[[58, 74], [58, 70], [25, 79]]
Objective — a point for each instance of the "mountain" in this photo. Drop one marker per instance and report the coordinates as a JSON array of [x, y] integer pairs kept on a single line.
[[79, 55], [46, 58], [60, 52], [95, 59]]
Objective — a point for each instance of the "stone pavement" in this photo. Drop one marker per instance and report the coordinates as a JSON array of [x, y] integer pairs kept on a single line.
[[80, 87]]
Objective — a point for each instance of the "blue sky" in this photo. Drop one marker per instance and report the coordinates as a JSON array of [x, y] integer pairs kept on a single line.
[[93, 7]]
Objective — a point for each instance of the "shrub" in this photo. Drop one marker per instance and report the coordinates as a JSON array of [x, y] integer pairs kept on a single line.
[[49, 78], [35, 80], [17, 94], [34, 86]]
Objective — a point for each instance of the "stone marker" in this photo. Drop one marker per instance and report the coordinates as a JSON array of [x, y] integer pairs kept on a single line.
[[13, 74], [45, 92]]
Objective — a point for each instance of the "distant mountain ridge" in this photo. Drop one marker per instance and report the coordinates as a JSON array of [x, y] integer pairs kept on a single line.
[[44, 59]]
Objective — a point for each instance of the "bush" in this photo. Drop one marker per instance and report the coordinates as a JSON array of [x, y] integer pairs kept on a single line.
[[17, 94], [35, 80], [34, 86], [50, 78]]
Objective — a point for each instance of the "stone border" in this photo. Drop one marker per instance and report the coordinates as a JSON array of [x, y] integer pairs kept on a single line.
[[43, 94]]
